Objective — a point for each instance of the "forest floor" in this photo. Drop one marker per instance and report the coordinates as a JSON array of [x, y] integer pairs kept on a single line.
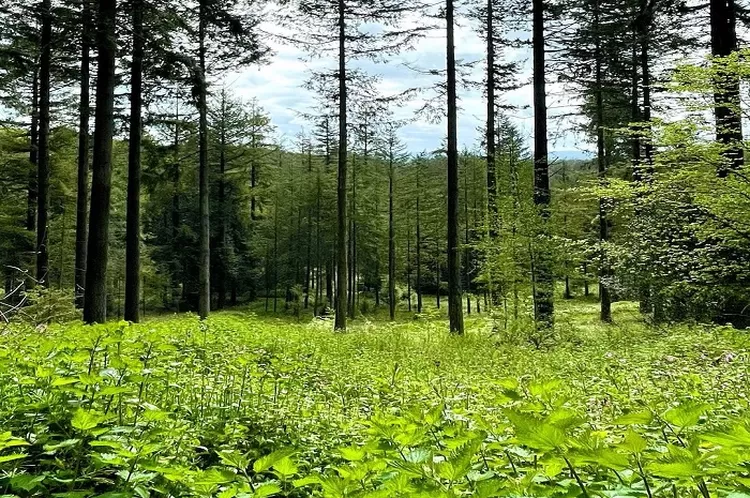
[[178, 407]]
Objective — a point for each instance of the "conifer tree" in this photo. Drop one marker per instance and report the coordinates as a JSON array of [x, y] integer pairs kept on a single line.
[[95, 297]]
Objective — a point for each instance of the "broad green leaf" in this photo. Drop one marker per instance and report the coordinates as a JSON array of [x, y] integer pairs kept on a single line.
[[686, 415], [643, 418], [306, 481], [268, 489], [85, 420], [266, 462], [534, 433], [675, 470], [633, 442], [285, 468], [234, 458], [352, 453], [12, 457]]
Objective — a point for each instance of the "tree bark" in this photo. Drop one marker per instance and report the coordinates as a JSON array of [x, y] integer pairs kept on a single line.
[[727, 93], [467, 276], [221, 281], [176, 267], [391, 239], [455, 307], [490, 132], [82, 194], [33, 155], [605, 304], [308, 264], [204, 263], [95, 299], [341, 260], [133, 226], [544, 283], [408, 270], [43, 167], [419, 243]]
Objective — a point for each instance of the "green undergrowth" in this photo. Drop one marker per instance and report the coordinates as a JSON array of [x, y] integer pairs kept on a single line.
[[243, 405]]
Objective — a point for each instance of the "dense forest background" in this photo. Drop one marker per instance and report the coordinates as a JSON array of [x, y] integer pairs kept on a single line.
[[135, 181]]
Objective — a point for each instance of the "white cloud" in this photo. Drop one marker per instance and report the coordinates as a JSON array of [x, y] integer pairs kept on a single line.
[[278, 88]]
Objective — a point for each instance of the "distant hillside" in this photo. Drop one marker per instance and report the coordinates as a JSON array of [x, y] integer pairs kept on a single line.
[[570, 154]]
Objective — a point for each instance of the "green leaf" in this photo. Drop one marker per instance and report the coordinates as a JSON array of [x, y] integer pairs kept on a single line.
[[285, 468], [352, 453], [675, 470], [643, 418], [268, 489], [234, 458], [266, 462], [686, 415], [633, 442], [64, 381], [62, 444], [85, 420], [12, 457], [306, 481], [737, 436], [534, 433]]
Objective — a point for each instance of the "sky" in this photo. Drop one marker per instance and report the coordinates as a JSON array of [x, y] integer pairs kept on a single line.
[[277, 86]]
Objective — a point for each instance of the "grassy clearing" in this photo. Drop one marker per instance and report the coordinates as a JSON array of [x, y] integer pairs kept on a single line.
[[174, 407]]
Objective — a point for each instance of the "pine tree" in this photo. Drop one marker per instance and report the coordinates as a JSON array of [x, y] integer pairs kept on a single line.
[[95, 298], [82, 190], [133, 229], [455, 307], [542, 276]]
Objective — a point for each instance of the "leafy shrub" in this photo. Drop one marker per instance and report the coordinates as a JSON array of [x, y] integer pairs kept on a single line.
[[48, 306]]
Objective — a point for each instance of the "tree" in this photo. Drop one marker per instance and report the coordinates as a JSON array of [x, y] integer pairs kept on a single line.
[[723, 15], [82, 190], [43, 166], [230, 26], [345, 28], [395, 154], [455, 306], [542, 276], [133, 230], [95, 297]]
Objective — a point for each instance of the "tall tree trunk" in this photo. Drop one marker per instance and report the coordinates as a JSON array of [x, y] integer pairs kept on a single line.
[[253, 179], [350, 246], [204, 262], [605, 304], [275, 251], [391, 241], [341, 261], [644, 25], [408, 270], [467, 278], [133, 227], [308, 264], [727, 94], [353, 237], [544, 284], [82, 194], [95, 299], [491, 220], [221, 280], [176, 267], [419, 245], [438, 276], [33, 155], [43, 168], [63, 229], [318, 252], [455, 307]]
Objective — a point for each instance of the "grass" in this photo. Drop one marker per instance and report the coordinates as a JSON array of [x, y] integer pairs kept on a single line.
[[176, 407]]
